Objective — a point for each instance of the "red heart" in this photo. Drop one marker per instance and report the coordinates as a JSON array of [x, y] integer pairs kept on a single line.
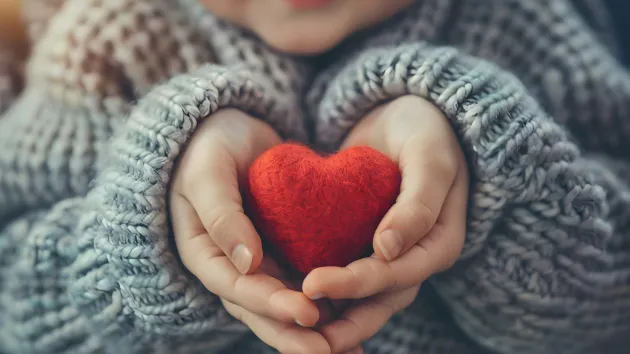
[[320, 211]]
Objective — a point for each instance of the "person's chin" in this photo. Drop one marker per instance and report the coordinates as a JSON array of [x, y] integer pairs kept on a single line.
[[300, 41]]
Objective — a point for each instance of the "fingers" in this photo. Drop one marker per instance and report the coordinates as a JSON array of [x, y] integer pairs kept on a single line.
[[208, 175], [451, 226], [285, 338], [366, 319], [329, 310], [369, 276], [428, 171], [435, 252], [418, 137], [257, 292], [211, 186], [360, 279]]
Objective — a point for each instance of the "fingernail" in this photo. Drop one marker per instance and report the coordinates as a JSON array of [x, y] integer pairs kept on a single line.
[[317, 296], [242, 258], [390, 244], [300, 323]]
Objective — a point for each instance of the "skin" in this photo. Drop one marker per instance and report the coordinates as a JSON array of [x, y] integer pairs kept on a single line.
[[422, 234], [209, 224], [424, 231], [428, 223], [305, 31]]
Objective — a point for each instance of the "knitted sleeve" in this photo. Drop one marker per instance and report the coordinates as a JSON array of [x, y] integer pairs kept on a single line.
[[543, 270], [94, 60], [101, 270], [83, 72], [563, 59], [86, 153]]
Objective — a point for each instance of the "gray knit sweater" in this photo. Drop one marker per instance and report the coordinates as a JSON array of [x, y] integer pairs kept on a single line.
[[115, 88]]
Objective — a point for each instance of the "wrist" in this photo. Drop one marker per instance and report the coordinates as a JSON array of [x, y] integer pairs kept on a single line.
[[373, 128]]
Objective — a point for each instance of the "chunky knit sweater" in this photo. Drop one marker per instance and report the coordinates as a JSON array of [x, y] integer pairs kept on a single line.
[[114, 89]]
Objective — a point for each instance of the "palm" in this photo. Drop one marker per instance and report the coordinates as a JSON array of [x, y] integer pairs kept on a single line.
[[218, 243], [422, 234]]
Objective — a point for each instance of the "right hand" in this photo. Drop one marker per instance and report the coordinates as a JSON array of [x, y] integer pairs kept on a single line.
[[218, 243]]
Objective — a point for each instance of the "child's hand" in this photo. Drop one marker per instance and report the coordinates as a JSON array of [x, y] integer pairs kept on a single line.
[[218, 243], [421, 235]]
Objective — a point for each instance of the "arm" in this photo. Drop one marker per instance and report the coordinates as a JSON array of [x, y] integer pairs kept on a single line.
[[41, 253], [558, 49], [78, 89], [102, 268], [537, 267], [114, 277], [82, 76], [75, 120]]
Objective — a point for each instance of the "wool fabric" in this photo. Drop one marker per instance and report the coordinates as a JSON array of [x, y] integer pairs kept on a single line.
[[321, 211], [113, 91]]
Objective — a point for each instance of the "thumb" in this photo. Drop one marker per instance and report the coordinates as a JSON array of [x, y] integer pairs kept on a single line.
[[208, 176], [214, 195], [427, 177], [428, 155]]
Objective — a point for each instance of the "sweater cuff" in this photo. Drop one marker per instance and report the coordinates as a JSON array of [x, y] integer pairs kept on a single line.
[[130, 282], [515, 152], [36, 253]]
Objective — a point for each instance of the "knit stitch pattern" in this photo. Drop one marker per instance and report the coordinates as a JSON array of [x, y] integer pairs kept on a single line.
[[115, 89]]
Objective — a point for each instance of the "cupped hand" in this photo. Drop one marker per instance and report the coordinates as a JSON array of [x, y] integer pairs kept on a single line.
[[422, 234], [218, 243]]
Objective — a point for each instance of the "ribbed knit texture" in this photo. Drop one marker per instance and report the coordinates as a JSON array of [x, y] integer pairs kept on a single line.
[[115, 88]]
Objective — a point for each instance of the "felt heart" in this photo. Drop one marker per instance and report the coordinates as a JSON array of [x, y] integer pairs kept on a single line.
[[320, 211]]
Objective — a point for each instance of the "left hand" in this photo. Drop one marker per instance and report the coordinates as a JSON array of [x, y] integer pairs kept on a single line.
[[422, 234]]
